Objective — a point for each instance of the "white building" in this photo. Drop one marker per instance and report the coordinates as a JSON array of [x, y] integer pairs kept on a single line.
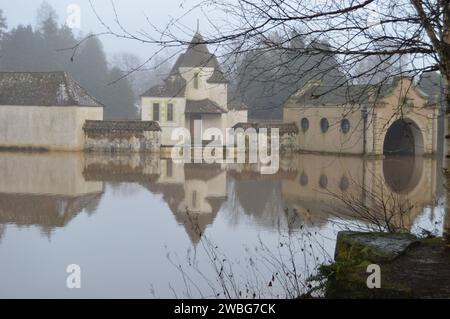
[[44, 110], [195, 90]]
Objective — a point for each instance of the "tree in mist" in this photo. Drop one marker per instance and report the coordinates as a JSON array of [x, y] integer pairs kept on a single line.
[[3, 24], [146, 75], [22, 50], [44, 48], [380, 35], [45, 13], [119, 97], [414, 31], [265, 78]]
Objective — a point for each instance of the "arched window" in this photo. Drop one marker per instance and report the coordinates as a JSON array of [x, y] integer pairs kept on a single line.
[[304, 123], [303, 179], [323, 181], [324, 125], [345, 126]]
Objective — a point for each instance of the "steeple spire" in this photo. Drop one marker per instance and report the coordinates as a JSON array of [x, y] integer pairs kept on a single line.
[[198, 25]]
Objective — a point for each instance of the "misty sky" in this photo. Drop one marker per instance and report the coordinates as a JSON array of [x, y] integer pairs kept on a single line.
[[131, 15]]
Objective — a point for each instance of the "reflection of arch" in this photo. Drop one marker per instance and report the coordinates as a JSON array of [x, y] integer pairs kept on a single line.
[[403, 174], [403, 137]]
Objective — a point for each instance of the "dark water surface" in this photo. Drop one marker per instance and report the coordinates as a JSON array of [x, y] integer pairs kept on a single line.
[[130, 222]]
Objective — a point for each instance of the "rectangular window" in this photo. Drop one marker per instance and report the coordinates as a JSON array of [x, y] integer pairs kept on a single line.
[[170, 112], [196, 81], [155, 111]]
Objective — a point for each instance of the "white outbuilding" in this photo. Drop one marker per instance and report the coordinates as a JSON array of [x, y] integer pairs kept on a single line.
[[44, 111]]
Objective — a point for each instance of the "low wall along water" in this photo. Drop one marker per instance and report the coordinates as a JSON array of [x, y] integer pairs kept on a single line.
[[122, 136]]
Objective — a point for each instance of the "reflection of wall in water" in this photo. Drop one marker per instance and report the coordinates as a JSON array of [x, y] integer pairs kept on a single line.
[[121, 167], [45, 173], [44, 189], [412, 179]]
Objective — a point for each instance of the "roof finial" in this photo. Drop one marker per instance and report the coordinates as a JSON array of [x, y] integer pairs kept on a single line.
[[198, 25]]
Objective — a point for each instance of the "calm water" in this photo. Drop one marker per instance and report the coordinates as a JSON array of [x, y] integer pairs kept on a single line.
[[145, 227]]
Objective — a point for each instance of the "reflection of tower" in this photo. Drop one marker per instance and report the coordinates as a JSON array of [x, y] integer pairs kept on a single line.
[[194, 193]]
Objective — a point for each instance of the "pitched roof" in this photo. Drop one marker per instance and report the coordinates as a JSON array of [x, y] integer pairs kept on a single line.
[[196, 55], [43, 89], [203, 106], [432, 83], [283, 128], [316, 94], [237, 105], [174, 86]]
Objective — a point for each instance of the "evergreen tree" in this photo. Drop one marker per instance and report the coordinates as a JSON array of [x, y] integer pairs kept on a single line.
[[45, 12], [119, 97], [3, 24], [42, 49], [22, 50], [91, 68]]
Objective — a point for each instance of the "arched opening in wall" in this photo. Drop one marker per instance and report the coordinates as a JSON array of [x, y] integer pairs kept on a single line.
[[402, 174], [403, 138]]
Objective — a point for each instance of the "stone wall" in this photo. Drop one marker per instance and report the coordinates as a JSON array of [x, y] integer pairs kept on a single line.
[[122, 136]]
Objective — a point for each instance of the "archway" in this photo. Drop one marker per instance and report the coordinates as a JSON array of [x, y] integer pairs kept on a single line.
[[403, 138]]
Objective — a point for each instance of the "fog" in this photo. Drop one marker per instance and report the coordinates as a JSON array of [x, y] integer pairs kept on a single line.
[[132, 15]]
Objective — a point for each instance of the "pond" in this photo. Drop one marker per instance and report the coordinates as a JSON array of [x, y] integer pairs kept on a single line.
[[141, 226]]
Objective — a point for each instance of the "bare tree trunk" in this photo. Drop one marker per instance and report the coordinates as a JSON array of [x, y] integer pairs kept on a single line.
[[446, 75]]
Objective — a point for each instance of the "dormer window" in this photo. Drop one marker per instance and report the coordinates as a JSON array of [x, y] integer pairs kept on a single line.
[[196, 81]]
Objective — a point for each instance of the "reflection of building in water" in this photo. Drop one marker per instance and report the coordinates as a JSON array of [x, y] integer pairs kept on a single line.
[[47, 190], [122, 167], [257, 196], [412, 180], [193, 192]]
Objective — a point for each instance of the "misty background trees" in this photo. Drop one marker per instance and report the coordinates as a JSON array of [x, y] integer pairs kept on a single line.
[[264, 78], [46, 47]]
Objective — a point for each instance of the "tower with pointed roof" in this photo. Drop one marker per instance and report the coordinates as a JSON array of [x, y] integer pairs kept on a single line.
[[195, 90]]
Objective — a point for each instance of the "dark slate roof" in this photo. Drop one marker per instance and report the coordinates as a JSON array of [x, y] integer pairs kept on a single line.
[[174, 86], [203, 106], [284, 128], [237, 106], [43, 89], [120, 126], [217, 77], [198, 55], [432, 83], [315, 94]]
